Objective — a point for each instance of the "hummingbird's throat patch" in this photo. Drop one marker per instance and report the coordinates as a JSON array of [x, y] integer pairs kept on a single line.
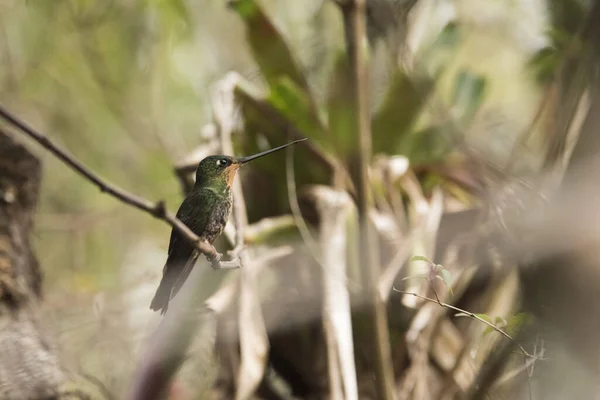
[[231, 171]]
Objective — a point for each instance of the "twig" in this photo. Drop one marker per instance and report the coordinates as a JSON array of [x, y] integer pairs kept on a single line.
[[513, 373], [470, 314], [526, 355], [157, 210]]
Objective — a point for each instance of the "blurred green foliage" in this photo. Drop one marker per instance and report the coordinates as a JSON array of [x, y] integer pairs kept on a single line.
[[125, 87]]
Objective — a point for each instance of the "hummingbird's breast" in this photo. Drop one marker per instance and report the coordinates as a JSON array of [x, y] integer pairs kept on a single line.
[[218, 217]]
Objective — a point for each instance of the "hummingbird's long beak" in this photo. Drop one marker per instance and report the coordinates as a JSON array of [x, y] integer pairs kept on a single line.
[[244, 160]]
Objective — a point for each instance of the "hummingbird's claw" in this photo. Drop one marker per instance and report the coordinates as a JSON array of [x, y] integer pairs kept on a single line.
[[229, 264], [215, 260]]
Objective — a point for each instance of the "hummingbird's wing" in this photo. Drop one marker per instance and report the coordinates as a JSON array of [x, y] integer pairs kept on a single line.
[[202, 212], [193, 212]]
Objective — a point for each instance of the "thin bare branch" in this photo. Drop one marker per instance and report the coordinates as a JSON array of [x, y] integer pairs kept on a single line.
[[527, 367], [472, 315], [157, 210]]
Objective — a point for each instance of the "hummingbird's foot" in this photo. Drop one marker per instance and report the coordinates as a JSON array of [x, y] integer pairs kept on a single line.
[[234, 263], [231, 264], [215, 259]]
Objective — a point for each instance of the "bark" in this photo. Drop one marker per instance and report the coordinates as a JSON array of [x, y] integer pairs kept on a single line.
[[29, 368]]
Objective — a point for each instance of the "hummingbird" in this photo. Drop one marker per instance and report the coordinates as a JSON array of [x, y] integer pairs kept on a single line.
[[205, 211]]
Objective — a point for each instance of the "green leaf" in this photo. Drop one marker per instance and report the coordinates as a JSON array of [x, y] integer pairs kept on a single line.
[[262, 121], [438, 54], [544, 64], [286, 110], [500, 322], [428, 146], [485, 317], [516, 322], [566, 15], [468, 94], [402, 105], [341, 109], [446, 278], [295, 104], [446, 275], [269, 49], [488, 330], [420, 258], [174, 15], [449, 36]]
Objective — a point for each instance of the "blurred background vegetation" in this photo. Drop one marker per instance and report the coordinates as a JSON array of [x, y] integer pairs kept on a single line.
[[466, 95]]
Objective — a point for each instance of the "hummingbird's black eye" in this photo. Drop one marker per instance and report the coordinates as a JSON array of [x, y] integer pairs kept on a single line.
[[223, 162]]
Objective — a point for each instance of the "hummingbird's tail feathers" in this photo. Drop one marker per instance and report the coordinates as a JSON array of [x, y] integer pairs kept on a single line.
[[171, 283], [164, 293], [183, 275], [162, 297]]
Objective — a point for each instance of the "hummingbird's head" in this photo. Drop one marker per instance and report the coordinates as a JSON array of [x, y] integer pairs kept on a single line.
[[219, 171]]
